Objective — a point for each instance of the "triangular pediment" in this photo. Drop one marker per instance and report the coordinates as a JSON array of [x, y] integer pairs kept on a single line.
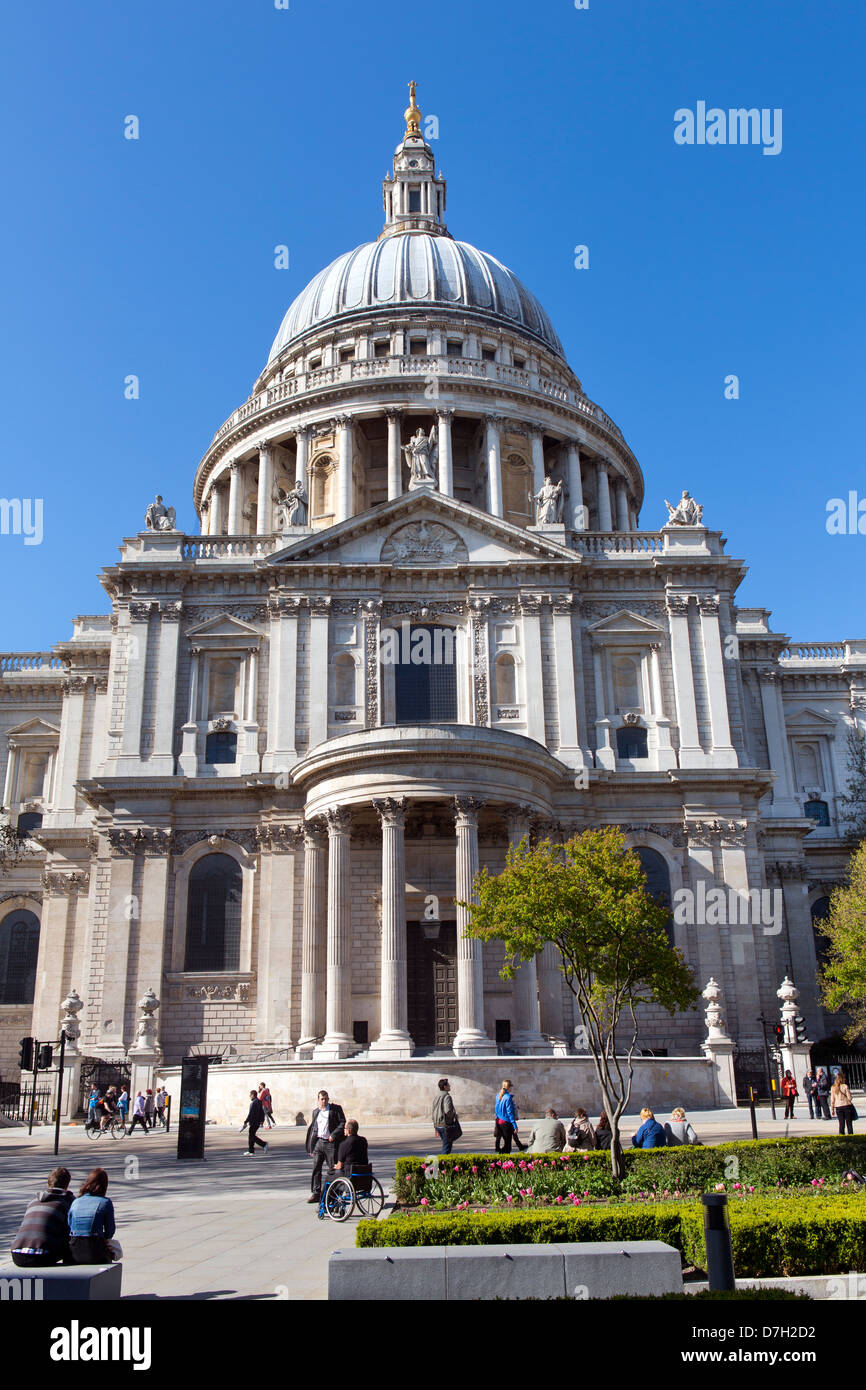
[[34, 728], [422, 528], [809, 719], [625, 622], [223, 625]]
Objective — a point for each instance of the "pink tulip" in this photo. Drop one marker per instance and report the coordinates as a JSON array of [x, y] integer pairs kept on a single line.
[[424, 1202]]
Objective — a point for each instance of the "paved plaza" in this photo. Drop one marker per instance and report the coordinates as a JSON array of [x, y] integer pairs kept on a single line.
[[235, 1227]]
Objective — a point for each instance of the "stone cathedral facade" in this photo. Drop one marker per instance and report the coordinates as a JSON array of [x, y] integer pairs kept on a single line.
[[422, 618]]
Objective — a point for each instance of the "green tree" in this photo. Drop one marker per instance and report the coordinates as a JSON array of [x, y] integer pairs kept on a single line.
[[842, 978], [852, 802], [588, 897]]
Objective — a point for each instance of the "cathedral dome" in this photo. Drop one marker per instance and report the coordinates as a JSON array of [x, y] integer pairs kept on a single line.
[[416, 269]]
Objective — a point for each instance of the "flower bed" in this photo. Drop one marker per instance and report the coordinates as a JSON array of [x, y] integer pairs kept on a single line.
[[760, 1165], [797, 1235]]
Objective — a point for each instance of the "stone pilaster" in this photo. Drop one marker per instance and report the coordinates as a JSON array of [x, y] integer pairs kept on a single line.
[[446, 467]]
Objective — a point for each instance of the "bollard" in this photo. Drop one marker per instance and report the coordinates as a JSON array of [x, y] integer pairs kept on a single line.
[[753, 1116], [717, 1237]]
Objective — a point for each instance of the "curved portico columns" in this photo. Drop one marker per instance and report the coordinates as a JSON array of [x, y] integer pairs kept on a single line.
[[536, 441], [527, 1036], [494, 465], [217, 511], [576, 510], [395, 458], [622, 517], [470, 1037], [446, 467], [314, 939], [338, 1041], [302, 456], [264, 503], [393, 1040]]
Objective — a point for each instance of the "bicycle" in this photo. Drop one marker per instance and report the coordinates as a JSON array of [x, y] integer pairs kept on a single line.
[[340, 1197], [115, 1128]]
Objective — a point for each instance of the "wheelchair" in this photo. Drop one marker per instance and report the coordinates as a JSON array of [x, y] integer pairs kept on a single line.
[[359, 1190]]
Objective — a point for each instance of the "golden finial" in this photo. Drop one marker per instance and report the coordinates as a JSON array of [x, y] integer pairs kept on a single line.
[[412, 115]]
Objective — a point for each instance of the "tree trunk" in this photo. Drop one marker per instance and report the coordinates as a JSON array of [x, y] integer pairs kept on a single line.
[[617, 1163]]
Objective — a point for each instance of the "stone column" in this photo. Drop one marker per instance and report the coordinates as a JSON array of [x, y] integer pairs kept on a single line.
[[235, 498], [265, 505], [471, 1037], [302, 457], [536, 439], [314, 937], [393, 1040], [530, 614], [161, 760], [494, 466], [216, 525], [344, 467], [691, 754], [526, 1038], [605, 521], [446, 466], [723, 754], [576, 509], [318, 694], [784, 802], [338, 1041], [395, 456], [550, 1000], [622, 521]]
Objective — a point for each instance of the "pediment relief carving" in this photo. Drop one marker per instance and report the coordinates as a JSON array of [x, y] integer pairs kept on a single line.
[[424, 542]]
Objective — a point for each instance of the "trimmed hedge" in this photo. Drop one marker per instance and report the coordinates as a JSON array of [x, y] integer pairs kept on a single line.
[[799, 1235], [763, 1163]]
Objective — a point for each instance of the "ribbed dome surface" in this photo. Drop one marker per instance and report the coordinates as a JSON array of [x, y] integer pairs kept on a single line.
[[415, 269]]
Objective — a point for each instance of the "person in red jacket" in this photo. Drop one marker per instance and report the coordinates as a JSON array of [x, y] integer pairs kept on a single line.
[[790, 1092]]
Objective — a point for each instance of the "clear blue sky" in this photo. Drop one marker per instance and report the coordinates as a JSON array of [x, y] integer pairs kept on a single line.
[[262, 126]]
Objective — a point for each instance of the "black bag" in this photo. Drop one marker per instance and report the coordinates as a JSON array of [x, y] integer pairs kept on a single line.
[[454, 1131]]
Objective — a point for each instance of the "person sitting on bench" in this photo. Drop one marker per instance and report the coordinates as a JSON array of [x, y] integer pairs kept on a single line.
[[43, 1236]]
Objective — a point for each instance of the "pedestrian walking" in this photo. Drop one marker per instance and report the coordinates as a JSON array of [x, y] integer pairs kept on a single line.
[[267, 1105], [822, 1088], [254, 1121], [327, 1129], [445, 1121], [810, 1091], [92, 1104], [790, 1092], [149, 1109], [161, 1097], [123, 1106], [842, 1104], [139, 1114], [505, 1127]]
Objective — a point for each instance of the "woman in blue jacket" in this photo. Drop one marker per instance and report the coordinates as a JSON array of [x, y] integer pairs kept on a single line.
[[91, 1222], [651, 1135], [506, 1120]]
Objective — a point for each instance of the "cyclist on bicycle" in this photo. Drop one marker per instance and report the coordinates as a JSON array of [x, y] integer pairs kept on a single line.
[[107, 1107]]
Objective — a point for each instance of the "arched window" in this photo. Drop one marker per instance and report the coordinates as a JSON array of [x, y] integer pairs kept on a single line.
[[658, 881], [516, 487], [213, 914], [820, 911], [626, 683], [631, 742], [817, 810], [19, 950], [221, 747], [344, 680], [27, 821], [506, 680], [322, 487]]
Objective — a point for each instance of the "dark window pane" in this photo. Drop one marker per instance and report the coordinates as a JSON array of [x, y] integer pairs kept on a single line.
[[213, 914], [29, 820], [631, 742], [817, 810], [221, 748], [426, 689], [658, 881], [19, 950], [414, 199]]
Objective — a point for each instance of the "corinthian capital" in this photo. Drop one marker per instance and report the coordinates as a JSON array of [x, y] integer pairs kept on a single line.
[[391, 810]]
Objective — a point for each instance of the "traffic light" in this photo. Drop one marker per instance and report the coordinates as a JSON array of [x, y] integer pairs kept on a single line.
[[25, 1054], [800, 1029], [45, 1056], [779, 1033]]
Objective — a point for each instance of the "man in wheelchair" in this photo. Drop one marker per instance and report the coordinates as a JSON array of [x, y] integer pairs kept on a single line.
[[353, 1160]]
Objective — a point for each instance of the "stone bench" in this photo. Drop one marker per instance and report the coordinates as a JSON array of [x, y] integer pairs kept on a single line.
[[585, 1269], [61, 1283]]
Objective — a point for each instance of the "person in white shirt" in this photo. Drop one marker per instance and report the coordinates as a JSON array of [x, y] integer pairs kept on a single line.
[[327, 1128]]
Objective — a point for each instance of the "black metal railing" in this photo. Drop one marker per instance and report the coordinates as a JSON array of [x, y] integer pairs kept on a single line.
[[16, 1102]]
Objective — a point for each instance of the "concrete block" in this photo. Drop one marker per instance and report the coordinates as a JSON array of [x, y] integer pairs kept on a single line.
[[606, 1267], [412, 1274], [61, 1283], [504, 1271]]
